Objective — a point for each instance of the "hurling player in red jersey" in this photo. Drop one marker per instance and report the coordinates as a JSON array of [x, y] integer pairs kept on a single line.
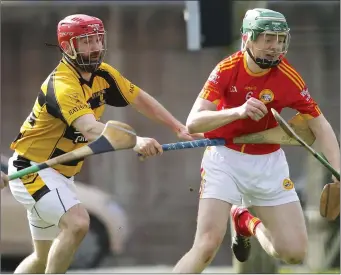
[[236, 100]]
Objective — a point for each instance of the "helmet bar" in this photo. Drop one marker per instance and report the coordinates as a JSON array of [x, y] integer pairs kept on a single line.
[[271, 18]]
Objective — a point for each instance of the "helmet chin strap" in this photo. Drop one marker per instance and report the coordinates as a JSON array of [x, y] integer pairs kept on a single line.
[[262, 62]]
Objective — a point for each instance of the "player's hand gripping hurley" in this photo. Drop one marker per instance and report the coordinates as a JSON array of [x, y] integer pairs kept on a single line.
[[290, 132], [330, 195], [115, 136]]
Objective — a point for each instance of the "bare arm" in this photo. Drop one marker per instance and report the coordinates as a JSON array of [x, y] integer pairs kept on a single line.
[[204, 117], [326, 140], [151, 108], [89, 126]]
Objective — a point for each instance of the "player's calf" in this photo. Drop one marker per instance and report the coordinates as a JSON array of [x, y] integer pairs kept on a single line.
[[36, 262], [31, 264]]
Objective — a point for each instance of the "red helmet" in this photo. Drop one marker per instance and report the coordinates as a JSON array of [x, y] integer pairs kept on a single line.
[[80, 26]]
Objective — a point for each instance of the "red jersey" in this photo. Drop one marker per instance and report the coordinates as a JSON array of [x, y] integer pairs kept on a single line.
[[231, 83]]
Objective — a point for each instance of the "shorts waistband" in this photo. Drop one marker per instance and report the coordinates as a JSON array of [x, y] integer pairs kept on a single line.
[[23, 163]]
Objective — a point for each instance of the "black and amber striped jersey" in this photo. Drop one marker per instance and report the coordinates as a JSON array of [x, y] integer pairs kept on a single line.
[[65, 96]]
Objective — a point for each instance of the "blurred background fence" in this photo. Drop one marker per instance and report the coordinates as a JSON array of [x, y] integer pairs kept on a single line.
[[147, 43]]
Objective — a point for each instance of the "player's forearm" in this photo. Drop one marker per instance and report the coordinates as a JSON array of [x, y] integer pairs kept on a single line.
[[205, 121], [329, 146], [151, 108], [327, 142]]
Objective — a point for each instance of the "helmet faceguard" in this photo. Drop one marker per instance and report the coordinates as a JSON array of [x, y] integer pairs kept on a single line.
[[88, 61], [269, 32], [77, 29]]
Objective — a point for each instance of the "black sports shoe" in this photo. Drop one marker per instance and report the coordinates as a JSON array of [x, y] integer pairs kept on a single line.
[[241, 247]]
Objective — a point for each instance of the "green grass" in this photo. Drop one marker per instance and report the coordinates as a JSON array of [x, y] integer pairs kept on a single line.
[[330, 271]]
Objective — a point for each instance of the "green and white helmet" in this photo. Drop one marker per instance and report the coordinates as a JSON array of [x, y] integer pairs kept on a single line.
[[266, 22]]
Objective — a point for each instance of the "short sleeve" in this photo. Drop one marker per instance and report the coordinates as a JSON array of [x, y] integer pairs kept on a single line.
[[128, 90], [213, 87], [65, 99], [302, 101]]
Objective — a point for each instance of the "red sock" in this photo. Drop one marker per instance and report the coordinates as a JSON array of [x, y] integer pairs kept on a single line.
[[248, 223]]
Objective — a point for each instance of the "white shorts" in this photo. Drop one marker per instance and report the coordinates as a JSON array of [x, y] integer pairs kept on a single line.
[[46, 195], [244, 179]]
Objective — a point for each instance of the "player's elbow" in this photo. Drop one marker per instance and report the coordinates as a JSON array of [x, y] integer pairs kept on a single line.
[[85, 129], [88, 133], [192, 127], [93, 130], [197, 119], [195, 123], [89, 127]]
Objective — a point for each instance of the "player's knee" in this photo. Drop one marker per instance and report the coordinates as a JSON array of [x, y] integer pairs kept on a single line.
[[80, 226], [208, 244], [76, 222], [292, 252], [294, 256]]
